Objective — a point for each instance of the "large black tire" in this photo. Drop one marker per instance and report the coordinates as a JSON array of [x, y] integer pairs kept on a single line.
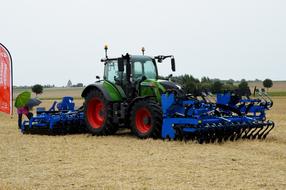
[[98, 114], [146, 119]]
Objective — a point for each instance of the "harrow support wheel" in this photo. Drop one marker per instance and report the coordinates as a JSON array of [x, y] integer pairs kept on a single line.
[[146, 119], [98, 114]]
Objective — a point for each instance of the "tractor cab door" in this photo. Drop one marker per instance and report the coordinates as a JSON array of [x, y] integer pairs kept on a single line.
[[142, 68], [114, 76]]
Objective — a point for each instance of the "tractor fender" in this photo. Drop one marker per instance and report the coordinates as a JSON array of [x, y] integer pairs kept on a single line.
[[97, 87], [138, 98]]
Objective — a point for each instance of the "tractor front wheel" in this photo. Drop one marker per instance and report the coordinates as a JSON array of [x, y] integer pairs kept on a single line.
[[146, 119], [98, 114]]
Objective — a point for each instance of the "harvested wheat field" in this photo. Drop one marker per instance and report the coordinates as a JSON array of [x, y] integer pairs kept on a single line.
[[122, 161]]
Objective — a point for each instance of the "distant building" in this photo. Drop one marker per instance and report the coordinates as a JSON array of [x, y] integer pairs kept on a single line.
[[69, 84]]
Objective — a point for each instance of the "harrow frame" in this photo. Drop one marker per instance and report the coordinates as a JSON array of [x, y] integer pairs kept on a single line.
[[65, 118], [185, 118]]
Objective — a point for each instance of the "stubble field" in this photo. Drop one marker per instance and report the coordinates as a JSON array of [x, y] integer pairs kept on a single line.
[[122, 161]]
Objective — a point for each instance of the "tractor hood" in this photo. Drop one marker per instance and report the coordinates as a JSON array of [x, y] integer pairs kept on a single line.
[[169, 85]]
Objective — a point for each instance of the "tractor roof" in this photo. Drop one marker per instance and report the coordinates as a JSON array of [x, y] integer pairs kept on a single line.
[[140, 57]]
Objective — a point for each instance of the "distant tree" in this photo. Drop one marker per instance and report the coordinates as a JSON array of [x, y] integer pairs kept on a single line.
[[229, 87], [243, 88], [78, 85], [267, 83], [205, 80], [37, 89], [69, 84], [205, 86], [189, 87], [49, 86], [188, 83], [217, 86], [230, 82]]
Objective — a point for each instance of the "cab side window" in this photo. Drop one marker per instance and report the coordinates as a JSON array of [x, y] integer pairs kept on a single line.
[[149, 70], [137, 70], [111, 71]]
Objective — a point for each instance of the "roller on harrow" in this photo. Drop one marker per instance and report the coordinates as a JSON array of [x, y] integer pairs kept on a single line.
[[61, 118]]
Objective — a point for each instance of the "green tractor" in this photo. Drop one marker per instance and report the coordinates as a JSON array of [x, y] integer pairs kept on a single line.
[[129, 96]]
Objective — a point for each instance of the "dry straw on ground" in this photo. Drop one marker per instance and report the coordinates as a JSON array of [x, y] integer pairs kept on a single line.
[[125, 162]]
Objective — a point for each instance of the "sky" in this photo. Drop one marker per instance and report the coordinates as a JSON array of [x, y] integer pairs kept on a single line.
[[54, 41]]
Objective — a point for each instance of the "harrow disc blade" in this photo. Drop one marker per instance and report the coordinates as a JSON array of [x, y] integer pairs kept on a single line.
[[220, 132]]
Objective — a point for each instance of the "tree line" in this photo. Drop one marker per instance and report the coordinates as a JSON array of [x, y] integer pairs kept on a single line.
[[196, 87], [191, 85]]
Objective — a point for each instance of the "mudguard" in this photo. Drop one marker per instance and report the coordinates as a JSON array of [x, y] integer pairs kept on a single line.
[[109, 91]]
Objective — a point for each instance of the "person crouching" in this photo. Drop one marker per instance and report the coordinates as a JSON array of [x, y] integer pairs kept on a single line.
[[23, 110]]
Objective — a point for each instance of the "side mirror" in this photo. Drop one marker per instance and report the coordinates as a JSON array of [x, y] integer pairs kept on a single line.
[[120, 64], [173, 64], [97, 77]]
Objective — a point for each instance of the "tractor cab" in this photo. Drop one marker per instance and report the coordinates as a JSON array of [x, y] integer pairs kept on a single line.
[[135, 75], [130, 68]]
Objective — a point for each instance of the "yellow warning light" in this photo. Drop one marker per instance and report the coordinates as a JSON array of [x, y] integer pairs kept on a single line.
[[143, 50]]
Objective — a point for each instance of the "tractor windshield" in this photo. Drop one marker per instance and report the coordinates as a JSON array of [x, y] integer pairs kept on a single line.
[[143, 67], [139, 66], [111, 71]]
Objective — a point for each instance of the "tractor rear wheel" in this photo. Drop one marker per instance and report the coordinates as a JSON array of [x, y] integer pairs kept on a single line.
[[146, 119], [98, 114]]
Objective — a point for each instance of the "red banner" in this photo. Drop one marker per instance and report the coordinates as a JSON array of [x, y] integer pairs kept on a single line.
[[6, 80]]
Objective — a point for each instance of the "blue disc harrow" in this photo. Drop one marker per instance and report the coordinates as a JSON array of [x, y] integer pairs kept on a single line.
[[61, 118], [229, 117]]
